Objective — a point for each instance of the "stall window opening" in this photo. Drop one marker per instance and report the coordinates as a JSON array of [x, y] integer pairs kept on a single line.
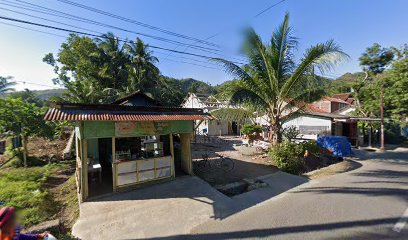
[[134, 148]]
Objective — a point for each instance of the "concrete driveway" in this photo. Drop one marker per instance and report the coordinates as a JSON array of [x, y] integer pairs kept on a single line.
[[159, 210], [169, 209], [370, 202]]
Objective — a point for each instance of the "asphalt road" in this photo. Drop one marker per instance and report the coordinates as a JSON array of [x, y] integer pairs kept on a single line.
[[366, 203]]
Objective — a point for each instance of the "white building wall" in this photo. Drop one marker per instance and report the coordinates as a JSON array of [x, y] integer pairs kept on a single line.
[[310, 126], [193, 102]]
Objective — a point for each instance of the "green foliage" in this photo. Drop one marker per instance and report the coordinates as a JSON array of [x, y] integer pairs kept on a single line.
[[346, 83], [376, 58], [102, 70], [6, 85], [272, 77], [23, 189], [22, 118], [28, 96], [249, 129], [31, 161], [239, 115], [291, 133], [396, 89], [288, 156]]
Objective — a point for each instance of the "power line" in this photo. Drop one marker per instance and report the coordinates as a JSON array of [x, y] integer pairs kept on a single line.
[[34, 30], [101, 36], [267, 9], [38, 84], [184, 62], [255, 16], [90, 21], [49, 20], [157, 52], [192, 59], [135, 22], [195, 64], [52, 12]]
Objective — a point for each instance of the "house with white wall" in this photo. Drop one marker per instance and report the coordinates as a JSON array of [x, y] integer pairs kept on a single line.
[[210, 127], [325, 117]]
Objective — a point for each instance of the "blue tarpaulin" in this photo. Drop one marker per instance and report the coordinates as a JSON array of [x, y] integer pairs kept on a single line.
[[339, 145]]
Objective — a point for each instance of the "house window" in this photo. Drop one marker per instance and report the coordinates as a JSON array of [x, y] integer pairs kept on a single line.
[[314, 130]]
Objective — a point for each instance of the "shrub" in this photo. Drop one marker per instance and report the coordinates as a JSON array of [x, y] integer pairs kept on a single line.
[[291, 133], [249, 129], [289, 156]]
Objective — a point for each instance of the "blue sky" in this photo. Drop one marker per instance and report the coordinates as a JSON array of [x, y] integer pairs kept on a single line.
[[353, 24]]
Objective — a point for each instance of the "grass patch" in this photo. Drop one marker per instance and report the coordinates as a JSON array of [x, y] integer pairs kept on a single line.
[[66, 195], [23, 189], [38, 193]]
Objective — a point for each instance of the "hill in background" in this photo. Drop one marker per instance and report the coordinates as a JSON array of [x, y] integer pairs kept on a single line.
[[181, 87]]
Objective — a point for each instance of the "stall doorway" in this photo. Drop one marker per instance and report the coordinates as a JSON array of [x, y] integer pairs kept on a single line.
[[100, 180], [178, 170], [234, 128]]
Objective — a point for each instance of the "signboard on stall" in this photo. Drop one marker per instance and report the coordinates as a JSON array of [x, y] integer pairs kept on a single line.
[[142, 128], [103, 129]]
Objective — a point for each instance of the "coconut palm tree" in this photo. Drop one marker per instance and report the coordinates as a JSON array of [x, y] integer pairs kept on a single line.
[[113, 72], [273, 81], [143, 73], [6, 85]]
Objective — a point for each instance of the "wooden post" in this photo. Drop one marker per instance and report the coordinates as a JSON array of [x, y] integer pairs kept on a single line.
[[24, 143], [85, 168], [114, 173], [173, 174], [186, 163]]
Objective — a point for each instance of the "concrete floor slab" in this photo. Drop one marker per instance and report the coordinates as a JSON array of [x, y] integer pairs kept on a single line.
[[160, 210]]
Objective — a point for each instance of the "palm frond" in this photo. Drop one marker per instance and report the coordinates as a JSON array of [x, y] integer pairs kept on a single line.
[[249, 97], [239, 115], [6, 85], [323, 56]]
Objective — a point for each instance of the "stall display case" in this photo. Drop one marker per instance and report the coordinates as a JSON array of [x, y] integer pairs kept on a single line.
[[139, 171], [141, 160]]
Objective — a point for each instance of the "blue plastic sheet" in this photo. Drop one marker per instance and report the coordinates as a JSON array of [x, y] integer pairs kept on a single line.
[[339, 145]]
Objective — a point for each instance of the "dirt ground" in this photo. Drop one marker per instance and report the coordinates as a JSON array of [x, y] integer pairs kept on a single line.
[[244, 166], [341, 167], [46, 149]]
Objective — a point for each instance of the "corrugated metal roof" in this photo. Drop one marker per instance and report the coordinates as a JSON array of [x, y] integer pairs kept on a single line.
[[69, 114], [337, 100]]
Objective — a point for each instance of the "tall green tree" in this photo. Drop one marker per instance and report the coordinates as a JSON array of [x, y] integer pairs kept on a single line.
[[143, 73], [374, 61], [273, 81], [396, 91], [6, 85], [102, 69], [20, 118]]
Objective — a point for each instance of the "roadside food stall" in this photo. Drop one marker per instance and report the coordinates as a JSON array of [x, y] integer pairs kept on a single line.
[[129, 143]]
